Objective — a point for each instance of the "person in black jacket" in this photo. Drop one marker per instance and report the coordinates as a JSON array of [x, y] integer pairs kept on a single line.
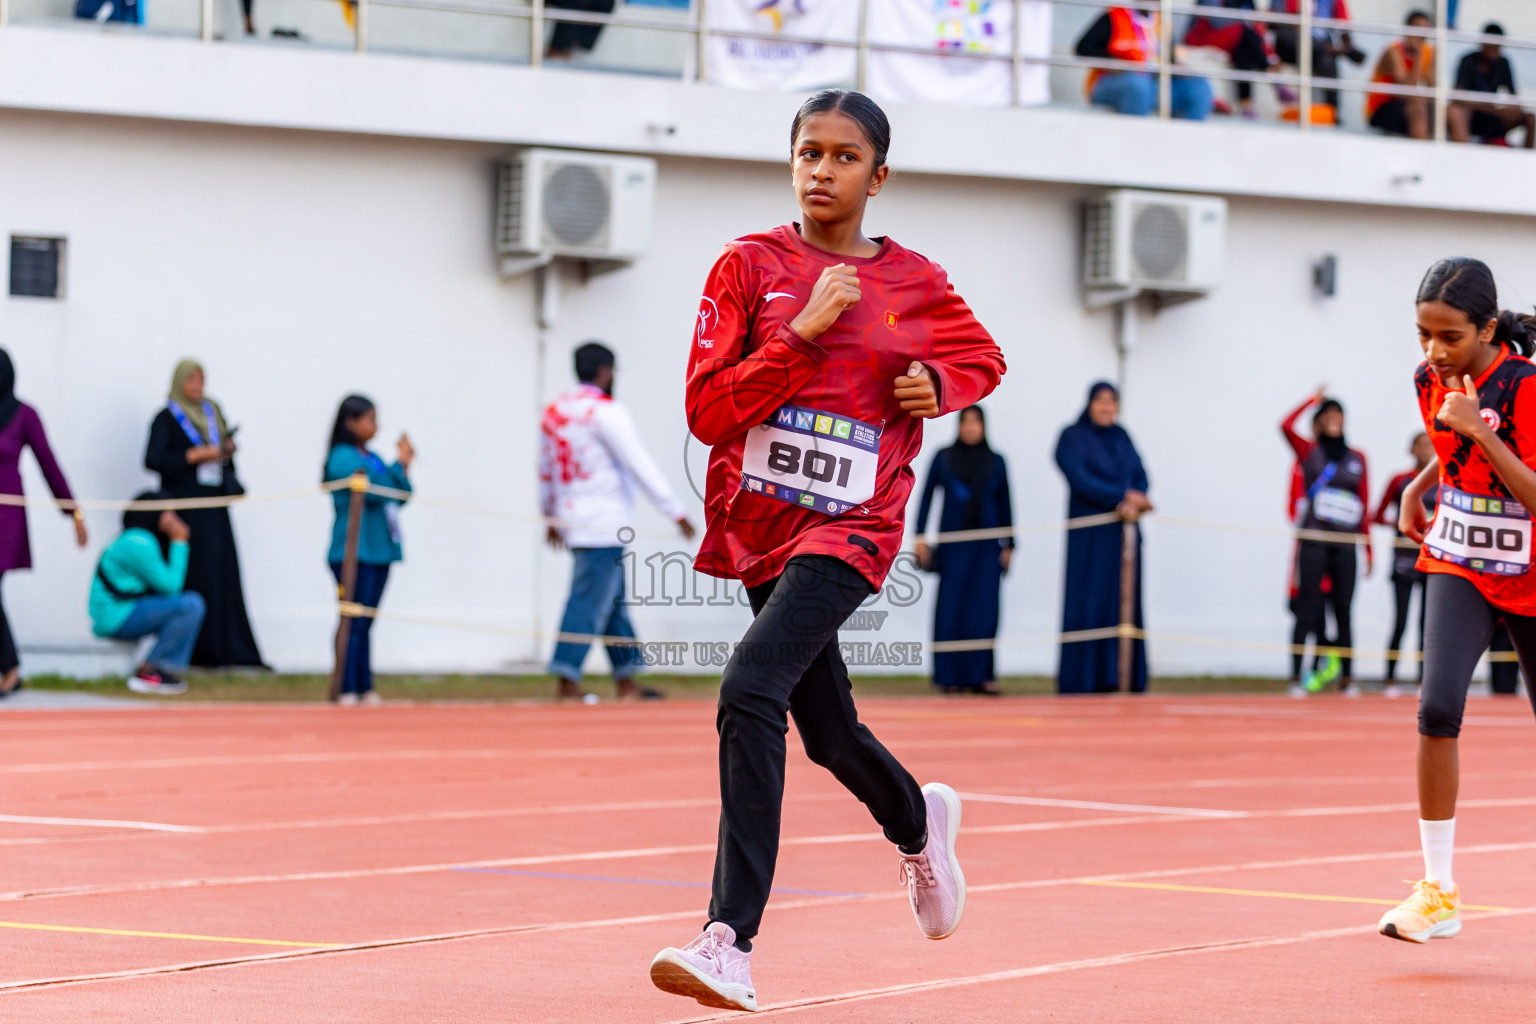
[[191, 447]]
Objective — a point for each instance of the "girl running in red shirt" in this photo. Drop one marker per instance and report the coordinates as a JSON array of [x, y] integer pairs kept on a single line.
[[817, 355], [1477, 393]]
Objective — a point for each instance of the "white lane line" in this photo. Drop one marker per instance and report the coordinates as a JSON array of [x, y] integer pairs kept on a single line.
[[782, 905], [939, 984], [508, 862], [1024, 744], [145, 826], [1094, 805]]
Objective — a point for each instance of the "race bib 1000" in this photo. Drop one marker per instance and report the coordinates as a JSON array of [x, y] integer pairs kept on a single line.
[[1490, 535], [817, 460]]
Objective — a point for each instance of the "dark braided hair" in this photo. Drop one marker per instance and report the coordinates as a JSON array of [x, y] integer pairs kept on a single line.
[[863, 110], [1467, 285]]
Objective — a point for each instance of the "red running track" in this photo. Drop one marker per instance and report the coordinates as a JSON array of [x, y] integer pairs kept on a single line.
[[1159, 859]]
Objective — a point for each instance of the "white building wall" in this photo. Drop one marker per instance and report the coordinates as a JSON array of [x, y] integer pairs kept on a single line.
[[301, 265]]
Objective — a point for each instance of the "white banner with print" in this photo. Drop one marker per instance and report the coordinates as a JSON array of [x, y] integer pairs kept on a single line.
[[782, 62], [959, 27]]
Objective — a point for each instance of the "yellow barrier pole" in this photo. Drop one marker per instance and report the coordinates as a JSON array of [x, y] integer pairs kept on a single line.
[[358, 485], [1128, 539]]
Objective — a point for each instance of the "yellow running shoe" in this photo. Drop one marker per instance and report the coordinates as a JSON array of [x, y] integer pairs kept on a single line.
[[1430, 913]]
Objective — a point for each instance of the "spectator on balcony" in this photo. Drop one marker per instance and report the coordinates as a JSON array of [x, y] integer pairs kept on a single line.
[[1486, 69], [570, 38], [1126, 35], [1244, 44], [1328, 44], [1406, 61], [102, 11]]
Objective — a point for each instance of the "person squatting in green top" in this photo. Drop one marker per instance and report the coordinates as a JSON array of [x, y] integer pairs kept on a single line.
[[138, 592]]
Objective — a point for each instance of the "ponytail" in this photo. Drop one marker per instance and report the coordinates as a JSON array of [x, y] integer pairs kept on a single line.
[[1518, 331]]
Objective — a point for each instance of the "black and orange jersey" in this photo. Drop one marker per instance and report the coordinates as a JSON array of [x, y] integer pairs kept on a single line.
[[1507, 397]]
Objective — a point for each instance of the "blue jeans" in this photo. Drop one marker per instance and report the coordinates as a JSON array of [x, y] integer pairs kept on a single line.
[[357, 674], [1131, 92], [596, 608], [175, 619]]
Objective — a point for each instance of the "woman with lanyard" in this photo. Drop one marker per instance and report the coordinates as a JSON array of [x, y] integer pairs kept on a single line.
[[192, 448], [816, 355], [974, 479], [1477, 394], [1331, 492], [1405, 554], [357, 423], [22, 428]]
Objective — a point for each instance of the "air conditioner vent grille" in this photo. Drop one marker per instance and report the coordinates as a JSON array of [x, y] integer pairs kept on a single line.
[[577, 209], [1160, 242]]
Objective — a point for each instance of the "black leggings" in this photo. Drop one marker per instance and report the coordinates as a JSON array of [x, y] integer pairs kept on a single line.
[[1249, 54], [1325, 63], [1403, 585], [789, 664], [1458, 627], [8, 659], [1316, 559]]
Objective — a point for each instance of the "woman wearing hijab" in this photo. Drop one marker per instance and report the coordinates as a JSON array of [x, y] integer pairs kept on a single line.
[[21, 428], [191, 447], [1104, 474], [1330, 494], [974, 479]]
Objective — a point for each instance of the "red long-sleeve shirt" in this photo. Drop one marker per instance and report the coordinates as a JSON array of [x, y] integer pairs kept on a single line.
[[746, 362]]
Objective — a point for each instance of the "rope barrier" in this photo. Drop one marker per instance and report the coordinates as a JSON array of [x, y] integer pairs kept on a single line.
[[349, 610], [505, 515]]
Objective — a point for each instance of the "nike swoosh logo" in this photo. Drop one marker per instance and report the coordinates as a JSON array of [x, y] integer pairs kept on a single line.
[[777, 295]]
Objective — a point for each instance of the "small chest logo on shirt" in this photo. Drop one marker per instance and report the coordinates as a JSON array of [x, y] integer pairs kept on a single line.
[[890, 320], [1354, 466], [1491, 417]]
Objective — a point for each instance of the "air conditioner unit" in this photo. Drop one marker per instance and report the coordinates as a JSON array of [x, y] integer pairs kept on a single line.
[[589, 206], [1161, 242]]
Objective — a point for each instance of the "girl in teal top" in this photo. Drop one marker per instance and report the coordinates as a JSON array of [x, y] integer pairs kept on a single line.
[[379, 537]]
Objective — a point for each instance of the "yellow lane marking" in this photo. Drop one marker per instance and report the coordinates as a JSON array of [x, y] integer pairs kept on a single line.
[[1264, 892], [25, 926]]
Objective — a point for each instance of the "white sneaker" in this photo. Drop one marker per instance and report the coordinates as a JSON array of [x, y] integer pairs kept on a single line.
[[935, 884], [1297, 690], [346, 700], [1391, 691], [710, 969], [371, 698]]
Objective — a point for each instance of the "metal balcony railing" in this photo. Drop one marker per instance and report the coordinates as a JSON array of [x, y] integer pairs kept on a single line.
[[696, 26]]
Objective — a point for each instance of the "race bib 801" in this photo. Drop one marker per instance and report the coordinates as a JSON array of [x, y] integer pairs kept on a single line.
[[814, 459], [1489, 535]]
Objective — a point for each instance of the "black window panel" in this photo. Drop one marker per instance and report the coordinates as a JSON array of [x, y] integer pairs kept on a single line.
[[35, 266]]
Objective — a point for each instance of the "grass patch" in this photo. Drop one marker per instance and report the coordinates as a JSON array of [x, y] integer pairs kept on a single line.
[[263, 686]]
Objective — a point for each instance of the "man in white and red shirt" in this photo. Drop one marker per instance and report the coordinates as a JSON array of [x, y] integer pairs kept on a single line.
[[591, 463]]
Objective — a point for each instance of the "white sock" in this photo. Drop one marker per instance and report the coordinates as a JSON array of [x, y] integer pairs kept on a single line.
[[1438, 838]]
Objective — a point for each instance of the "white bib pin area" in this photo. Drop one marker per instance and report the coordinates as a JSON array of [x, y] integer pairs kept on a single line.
[[1481, 533], [811, 458]]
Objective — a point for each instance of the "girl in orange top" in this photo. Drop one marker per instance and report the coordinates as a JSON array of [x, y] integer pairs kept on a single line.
[[1477, 393], [1406, 61]]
